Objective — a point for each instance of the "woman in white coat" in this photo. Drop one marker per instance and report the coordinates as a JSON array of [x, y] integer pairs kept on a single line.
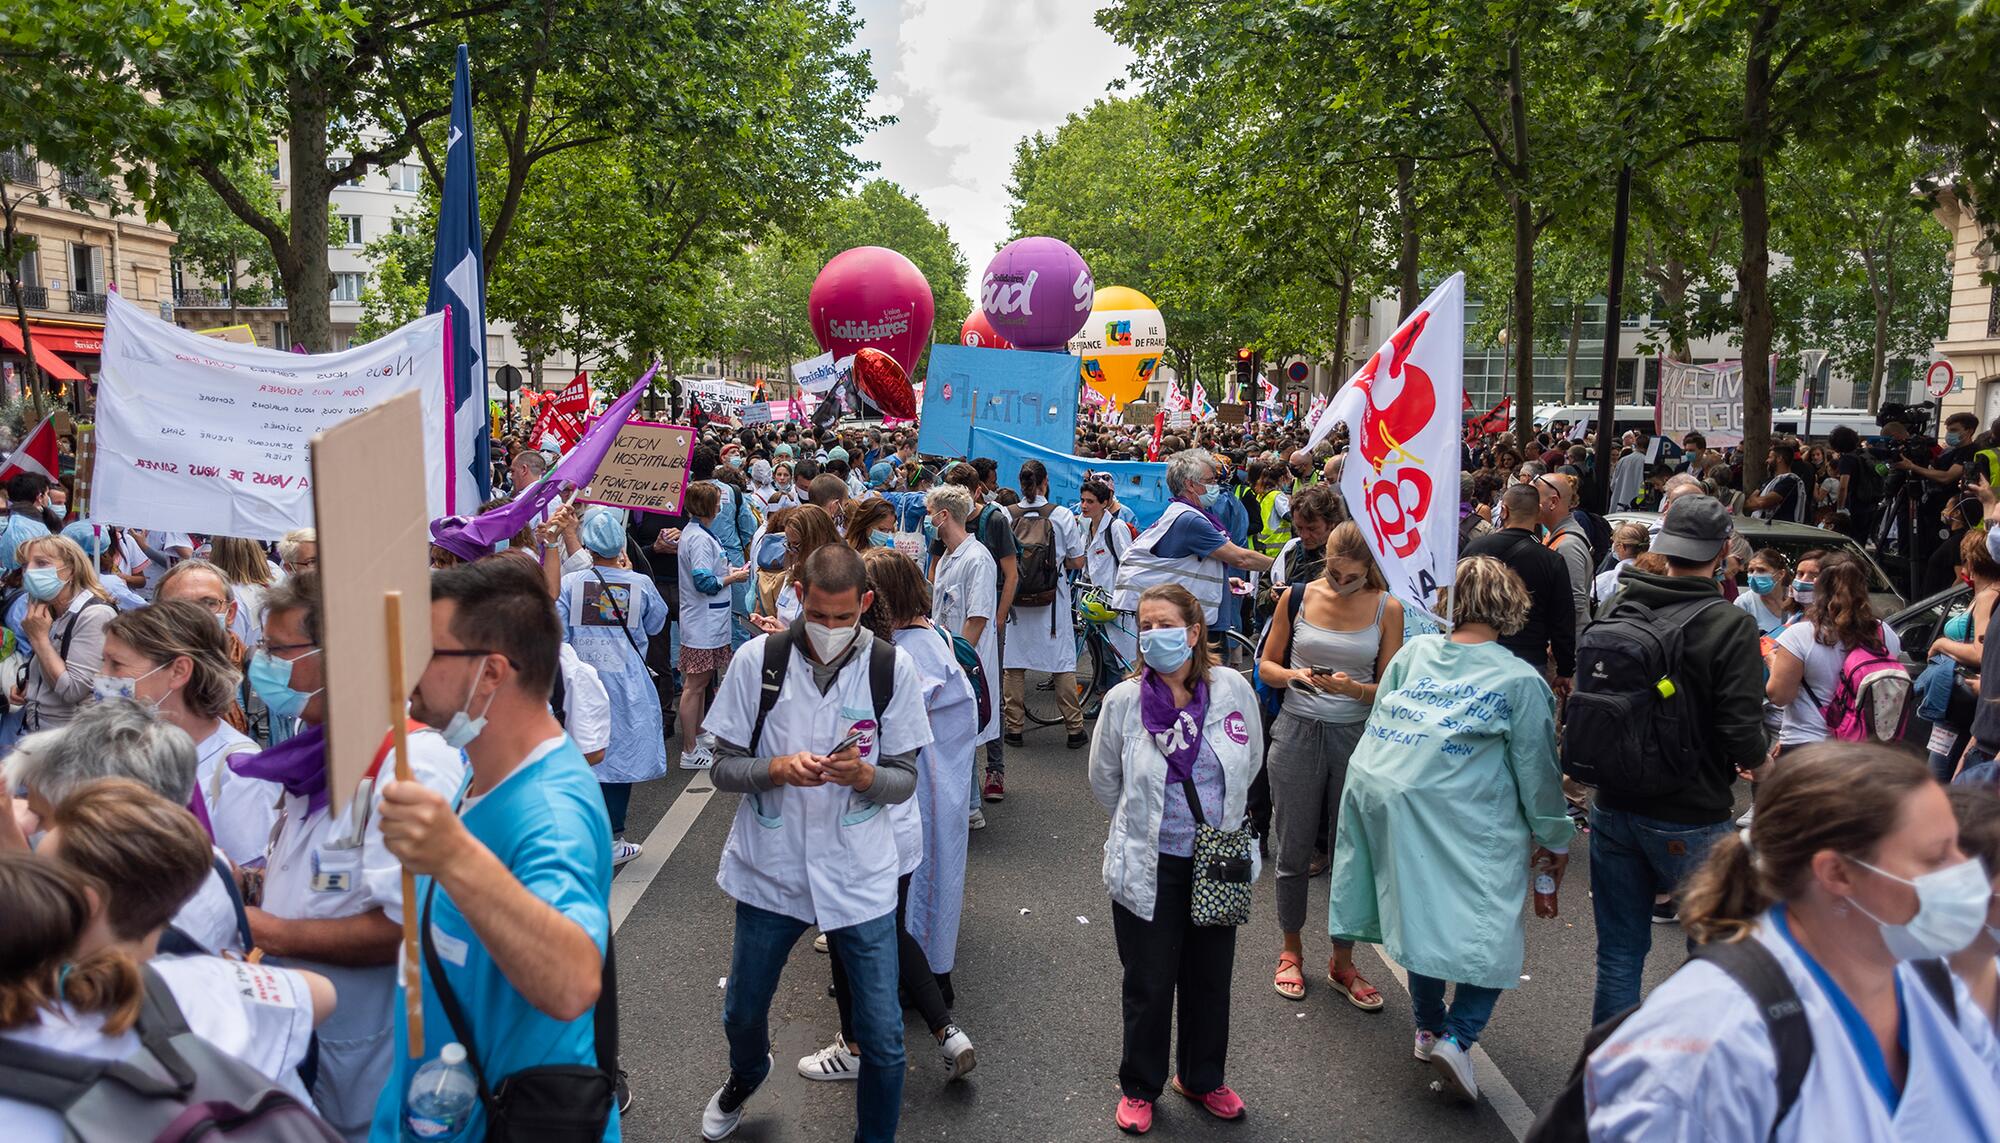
[[1184, 725], [1851, 872], [1042, 638], [1106, 539]]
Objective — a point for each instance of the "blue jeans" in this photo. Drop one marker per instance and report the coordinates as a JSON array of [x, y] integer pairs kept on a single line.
[[1632, 860], [1471, 1008], [868, 951]]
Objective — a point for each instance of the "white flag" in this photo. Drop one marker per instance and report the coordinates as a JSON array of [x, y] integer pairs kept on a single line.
[[1400, 480]]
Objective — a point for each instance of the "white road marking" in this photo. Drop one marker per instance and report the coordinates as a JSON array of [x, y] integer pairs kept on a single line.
[[637, 876], [1507, 1103]]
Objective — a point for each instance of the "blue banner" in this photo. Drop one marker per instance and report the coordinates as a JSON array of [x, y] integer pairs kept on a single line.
[[458, 280], [1138, 485], [1029, 396]]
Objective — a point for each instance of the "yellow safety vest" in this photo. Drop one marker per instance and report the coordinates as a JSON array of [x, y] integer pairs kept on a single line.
[[1271, 539]]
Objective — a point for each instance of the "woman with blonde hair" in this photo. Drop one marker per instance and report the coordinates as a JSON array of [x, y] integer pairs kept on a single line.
[[1846, 888], [250, 577], [1330, 640], [64, 624], [1453, 793], [175, 659], [1175, 748], [808, 528]]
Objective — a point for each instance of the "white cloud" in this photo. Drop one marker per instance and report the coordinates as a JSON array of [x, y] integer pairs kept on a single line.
[[968, 79]]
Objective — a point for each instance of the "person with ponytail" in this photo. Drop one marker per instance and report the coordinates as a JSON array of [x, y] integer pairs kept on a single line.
[[1852, 881], [1805, 667], [50, 997], [1978, 811]]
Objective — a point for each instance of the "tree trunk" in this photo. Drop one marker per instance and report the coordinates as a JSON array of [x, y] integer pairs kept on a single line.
[[302, 265], [1614, 312], [1753, 275], [1340, 339], [1524, 251], [1569, 366], [10, 237], [1412, 248]]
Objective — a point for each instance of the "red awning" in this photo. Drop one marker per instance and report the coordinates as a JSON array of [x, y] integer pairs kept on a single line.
[[86, 342], [56, 367]]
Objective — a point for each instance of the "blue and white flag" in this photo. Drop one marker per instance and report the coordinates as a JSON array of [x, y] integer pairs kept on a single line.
[[458, 280]]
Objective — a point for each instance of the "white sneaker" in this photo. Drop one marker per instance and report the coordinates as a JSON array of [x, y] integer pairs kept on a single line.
[[1425, 1042], [700, 758], [623, 851], [1451, 1063], [819, 943], [976, 820], [1749, 815], [956, 1051], [836, 1061], [725, 1108]]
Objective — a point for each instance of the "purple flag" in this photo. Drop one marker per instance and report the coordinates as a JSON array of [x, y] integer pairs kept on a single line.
[[474, 538]]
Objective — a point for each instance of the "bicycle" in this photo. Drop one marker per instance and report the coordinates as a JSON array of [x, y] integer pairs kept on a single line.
[[1099, 664]]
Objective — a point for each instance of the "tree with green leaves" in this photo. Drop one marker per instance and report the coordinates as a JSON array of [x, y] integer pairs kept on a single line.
[[212, 241]]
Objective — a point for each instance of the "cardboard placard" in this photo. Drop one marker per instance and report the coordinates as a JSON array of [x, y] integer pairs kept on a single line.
[[1230, 413], [239, 334], [374, 538], [646, 468], [1032, 396]]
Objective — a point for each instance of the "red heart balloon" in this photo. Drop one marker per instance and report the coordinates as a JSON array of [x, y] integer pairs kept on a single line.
[[884, 383]]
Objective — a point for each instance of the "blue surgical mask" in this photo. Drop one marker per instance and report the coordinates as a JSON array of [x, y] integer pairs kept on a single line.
[[1951, 908], [1763, 584], [463, 728], [1954, 439], [109, 687], [43, 583], [1210, 496], [1165, 648], [882, 539], [271, 678], [1802, 590]]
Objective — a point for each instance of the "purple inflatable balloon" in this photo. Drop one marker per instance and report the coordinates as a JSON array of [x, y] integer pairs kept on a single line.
[[1037, 293]]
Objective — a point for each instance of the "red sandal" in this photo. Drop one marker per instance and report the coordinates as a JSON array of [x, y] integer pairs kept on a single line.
[[1290, 962], [1358, 991]]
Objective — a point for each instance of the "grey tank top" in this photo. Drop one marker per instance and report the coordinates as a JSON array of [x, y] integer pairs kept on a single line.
[[1325, 649]]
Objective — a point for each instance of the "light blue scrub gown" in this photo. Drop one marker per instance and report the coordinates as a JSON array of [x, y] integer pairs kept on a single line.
[[638, 750]]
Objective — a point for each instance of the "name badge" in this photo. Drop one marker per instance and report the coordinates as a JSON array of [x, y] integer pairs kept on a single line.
[[450, 949], [325, 880]]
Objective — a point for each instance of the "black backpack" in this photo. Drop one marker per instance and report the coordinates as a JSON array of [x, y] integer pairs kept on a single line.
[[778, 659], [1758, 972], [1628, 727], [1035, 537], [176, 1087]]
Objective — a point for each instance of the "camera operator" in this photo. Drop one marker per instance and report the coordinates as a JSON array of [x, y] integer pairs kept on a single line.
[[1945, 481], [1909, 490]]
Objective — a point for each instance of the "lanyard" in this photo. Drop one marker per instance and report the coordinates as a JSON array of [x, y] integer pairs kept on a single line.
[[1866, 1046]]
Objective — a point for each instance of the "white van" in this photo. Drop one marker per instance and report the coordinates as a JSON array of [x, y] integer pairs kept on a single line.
[[1581, 417]]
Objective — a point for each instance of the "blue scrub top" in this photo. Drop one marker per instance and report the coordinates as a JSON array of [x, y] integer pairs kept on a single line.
[[546, 823]]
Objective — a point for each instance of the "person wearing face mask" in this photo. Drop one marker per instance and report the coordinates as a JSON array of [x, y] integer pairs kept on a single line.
[[764, 495], [820, 739], [513, 861], [332, 896], [1187, 545], [1043, 634], [173, 658], [1769, 600], [608, 614], [1176, 747], [102, 543], [1848, 886], [1807, 665], [962, 602], [706, 577], [1330, 639], [1977, 809], [733, 527], [27, 493], [871, 523], [64, 624]]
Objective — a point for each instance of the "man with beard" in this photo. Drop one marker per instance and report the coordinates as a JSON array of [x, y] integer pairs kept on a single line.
[[514, 874]]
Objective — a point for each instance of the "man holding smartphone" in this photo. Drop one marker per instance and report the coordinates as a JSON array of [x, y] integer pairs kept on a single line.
[[817, 741]]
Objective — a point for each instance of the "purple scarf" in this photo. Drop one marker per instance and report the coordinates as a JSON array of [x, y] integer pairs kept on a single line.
[[298, 764], [1211, 517], [1175, 730], [199, 808]]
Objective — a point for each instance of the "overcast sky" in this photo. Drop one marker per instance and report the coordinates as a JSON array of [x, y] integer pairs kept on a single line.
[[966, 80]]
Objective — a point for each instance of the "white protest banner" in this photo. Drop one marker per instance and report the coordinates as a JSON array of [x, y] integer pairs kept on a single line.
[[1402, 410], [720, 399], [756, 413], [645, 469], [1706, 399], [817, 374], [200, 435]]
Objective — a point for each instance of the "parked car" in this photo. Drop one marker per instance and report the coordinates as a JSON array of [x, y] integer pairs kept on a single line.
[[1793, 541]]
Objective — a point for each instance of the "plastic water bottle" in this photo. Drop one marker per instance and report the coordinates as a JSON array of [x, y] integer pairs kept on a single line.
[[1545, 893], [442, 1096]]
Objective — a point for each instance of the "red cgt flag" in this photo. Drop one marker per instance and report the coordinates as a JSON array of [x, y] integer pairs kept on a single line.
[[37, 453], [562, 416]]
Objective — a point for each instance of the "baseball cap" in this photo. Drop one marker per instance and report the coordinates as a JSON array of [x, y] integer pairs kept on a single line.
[[1696, 528]]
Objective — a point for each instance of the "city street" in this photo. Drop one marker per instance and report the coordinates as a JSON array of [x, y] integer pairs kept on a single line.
[[1038, 985]]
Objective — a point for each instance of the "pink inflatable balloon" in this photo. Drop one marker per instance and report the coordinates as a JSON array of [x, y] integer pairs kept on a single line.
[[872, 297], [1037, 293], [978, 333]]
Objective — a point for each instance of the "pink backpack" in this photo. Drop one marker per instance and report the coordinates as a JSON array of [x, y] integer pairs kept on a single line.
[[1871, 700]]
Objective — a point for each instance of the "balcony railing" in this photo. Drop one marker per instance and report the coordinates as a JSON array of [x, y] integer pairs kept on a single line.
[[1993, 314], [207, 299], [34, 297], [17, 167], [85, 184], [85, 303]]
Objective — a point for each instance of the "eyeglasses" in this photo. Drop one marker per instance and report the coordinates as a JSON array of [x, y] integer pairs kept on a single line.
[[471, 653], [267, 647]]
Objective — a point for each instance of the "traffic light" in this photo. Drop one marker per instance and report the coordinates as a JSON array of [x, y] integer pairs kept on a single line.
[[1246, 369]]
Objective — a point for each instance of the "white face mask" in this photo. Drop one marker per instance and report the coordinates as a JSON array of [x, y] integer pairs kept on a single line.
[[463, 728], [1951, 909], [829, 642]]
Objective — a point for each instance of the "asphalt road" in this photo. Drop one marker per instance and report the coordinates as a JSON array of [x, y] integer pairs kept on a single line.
[[1038, 984]]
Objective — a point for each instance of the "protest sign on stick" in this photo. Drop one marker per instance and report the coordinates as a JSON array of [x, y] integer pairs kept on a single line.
[[373, 545], [645, 469]]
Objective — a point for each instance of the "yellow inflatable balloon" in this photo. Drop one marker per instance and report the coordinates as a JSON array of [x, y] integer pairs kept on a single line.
[[1121, 345]]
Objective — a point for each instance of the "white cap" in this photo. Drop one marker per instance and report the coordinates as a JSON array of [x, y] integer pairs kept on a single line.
[[453, 1054]]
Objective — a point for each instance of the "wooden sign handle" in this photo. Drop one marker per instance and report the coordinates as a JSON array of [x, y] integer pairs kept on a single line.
[[399, 721]]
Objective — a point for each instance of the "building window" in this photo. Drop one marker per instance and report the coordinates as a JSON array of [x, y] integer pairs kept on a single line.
[[337, 163], [407, 177], [281, 334], [347, 286], [404, 225], [81, 265], [350, 226], [1993, 313]]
